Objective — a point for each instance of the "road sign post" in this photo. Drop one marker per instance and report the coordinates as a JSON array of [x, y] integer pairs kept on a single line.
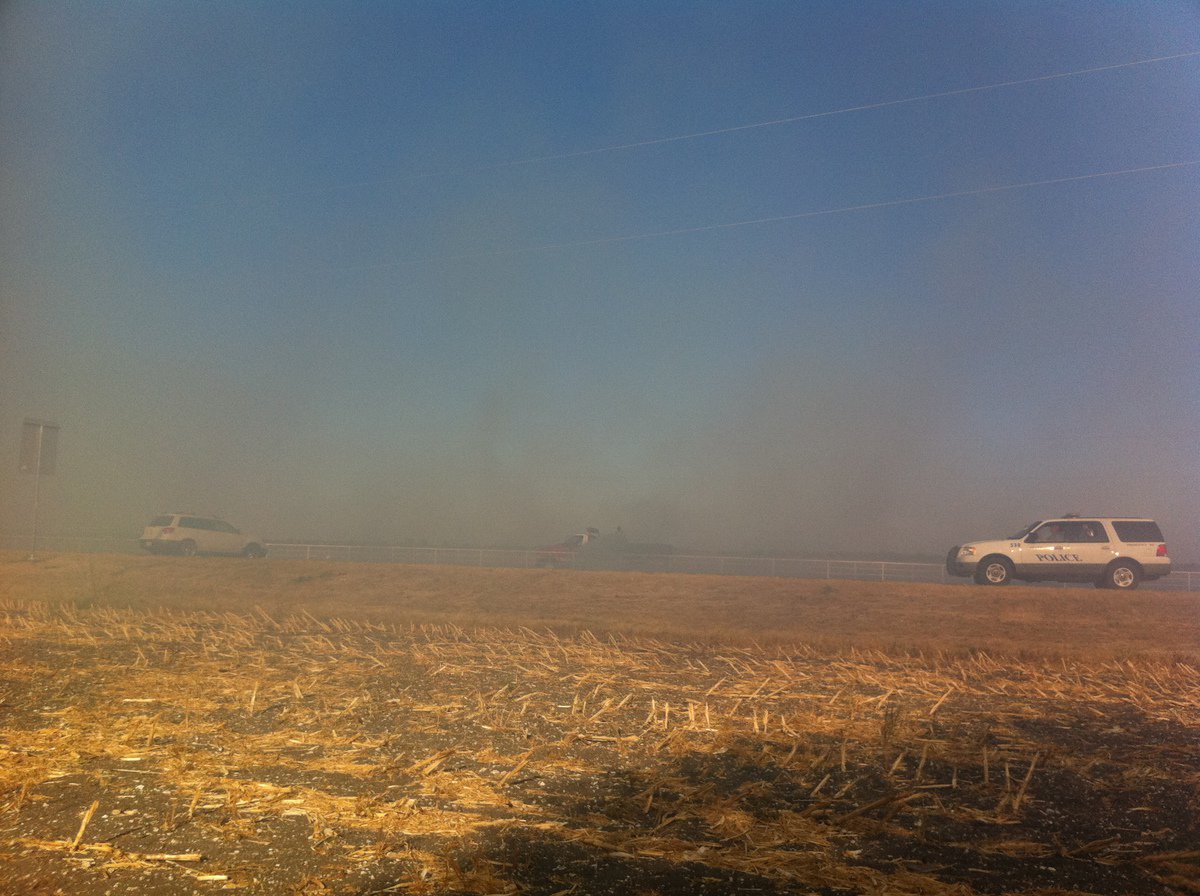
[[39, 448]]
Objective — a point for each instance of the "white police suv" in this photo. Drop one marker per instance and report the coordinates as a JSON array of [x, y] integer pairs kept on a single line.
[[1112, 552]]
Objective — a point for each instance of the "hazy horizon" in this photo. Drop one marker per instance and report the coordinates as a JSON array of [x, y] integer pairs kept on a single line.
[[732, 276]]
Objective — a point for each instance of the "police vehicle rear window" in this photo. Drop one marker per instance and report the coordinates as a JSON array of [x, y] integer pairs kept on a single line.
[[1138, 530]]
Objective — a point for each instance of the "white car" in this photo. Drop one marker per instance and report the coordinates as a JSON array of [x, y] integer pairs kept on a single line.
[[188, 534], [1112, 552]]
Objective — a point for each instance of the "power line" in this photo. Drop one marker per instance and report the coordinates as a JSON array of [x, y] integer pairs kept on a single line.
[[843, 111], [775, 219], [776, 122]]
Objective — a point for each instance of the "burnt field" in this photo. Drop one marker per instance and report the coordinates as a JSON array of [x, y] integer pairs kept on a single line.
[[203, 726]]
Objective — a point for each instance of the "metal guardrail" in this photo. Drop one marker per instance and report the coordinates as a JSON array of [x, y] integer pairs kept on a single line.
[[884, 571], [696, 564]]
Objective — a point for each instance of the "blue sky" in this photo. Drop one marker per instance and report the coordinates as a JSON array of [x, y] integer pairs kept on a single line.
[[441, 272]]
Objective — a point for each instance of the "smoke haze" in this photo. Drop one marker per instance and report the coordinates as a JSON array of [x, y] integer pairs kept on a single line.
[[276, 265]]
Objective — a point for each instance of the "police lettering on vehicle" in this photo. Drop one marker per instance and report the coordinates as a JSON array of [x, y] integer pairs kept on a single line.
[[1059, 558]]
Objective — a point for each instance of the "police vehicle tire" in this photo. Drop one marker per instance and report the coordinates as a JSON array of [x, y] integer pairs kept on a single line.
[[994, 571], [188, 548], [1122, 576]]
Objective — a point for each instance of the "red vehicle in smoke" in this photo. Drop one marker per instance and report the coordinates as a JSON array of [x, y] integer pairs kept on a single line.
[[587, 550], [565, 552]]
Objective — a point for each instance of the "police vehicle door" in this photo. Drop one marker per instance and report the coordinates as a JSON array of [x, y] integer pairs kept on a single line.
[[1093, 545], [1068, 548]]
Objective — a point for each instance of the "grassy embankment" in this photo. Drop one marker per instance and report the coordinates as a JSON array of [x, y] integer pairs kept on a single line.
[[1021, 621]]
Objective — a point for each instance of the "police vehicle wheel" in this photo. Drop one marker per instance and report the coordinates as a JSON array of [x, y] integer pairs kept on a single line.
[[1122, 576], [994, 571], [188, 548]]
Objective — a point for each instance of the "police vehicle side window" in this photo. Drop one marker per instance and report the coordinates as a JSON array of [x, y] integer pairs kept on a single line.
[[1047, 534], [1072, 532], [1083, 532], [1138, 530]]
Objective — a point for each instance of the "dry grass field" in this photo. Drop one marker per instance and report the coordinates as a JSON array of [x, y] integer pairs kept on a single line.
[[172, 726]]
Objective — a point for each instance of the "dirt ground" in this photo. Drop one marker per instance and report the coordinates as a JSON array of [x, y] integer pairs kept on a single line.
[[202, 726]]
